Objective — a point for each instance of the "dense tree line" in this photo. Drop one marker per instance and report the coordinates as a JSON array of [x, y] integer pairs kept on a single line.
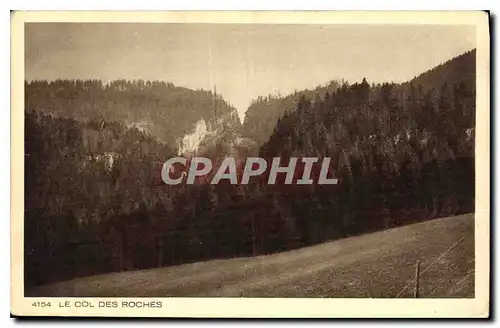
[[94, 202], [399, 160], [161, 109]]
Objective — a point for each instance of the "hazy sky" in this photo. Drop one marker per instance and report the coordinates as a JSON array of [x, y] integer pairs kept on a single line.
[[244, 61]]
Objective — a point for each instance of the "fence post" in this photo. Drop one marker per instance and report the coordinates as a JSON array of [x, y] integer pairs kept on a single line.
[[417, 272]]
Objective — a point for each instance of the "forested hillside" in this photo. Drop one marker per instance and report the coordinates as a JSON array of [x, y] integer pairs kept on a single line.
[[398, 160], [94, 203], [161, 109], [461, 69], [263, 113]]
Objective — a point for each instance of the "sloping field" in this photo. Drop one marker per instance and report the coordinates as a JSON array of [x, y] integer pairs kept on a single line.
[[380, 264]]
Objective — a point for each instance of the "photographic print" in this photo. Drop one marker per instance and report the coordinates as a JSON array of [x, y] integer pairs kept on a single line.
[[328, 164]]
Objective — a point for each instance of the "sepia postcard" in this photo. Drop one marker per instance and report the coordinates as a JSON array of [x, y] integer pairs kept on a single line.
[[250, 164]]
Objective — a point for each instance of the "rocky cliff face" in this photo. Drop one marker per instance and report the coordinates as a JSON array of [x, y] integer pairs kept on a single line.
[[217, 139]]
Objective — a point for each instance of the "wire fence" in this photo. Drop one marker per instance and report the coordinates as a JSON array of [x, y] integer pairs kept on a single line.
[[419, 273]]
